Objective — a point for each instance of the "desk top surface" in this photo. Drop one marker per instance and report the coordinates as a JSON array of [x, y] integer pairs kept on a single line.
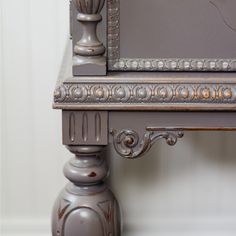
[[172, 91]]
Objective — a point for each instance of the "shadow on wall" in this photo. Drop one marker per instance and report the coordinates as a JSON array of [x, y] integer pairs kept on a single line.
[[211, 147], [215, 146], [194, 179]]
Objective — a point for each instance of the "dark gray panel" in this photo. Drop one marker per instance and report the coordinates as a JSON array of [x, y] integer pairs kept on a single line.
[[180, 28], [172, 35], [140, 121]]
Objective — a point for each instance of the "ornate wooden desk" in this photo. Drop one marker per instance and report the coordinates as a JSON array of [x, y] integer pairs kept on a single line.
[[130, 103]]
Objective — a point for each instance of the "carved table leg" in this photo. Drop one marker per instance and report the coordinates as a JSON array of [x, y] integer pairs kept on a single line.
[[86, 207]]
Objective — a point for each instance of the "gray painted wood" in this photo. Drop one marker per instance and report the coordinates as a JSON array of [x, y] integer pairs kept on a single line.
[[185, 91], [180, 120], [180, 29], [130, 111], [85, 128], [88, 42], [132, 134], [86, 207], [129, 106], [162, 35]]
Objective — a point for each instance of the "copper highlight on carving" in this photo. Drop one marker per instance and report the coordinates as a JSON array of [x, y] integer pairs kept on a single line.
[[126, 142]]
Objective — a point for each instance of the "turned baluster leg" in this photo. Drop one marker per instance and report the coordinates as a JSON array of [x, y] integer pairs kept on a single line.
[[86, 207]]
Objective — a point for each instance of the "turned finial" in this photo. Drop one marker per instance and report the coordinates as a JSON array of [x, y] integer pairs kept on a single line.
[[89, 49], [89, 6]]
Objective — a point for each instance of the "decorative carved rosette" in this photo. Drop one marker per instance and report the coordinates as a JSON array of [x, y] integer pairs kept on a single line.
[[60, 94], [142, 93], [100, 93], [227, 93], [185, 93], [132, 94], [78, 93], [164, 93], [121, 93]]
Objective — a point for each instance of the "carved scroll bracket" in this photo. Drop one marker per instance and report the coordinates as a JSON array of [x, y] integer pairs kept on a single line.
[[127, 142]]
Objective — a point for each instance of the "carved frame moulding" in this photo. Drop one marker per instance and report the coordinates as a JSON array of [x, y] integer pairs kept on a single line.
[[223, 18], [148, 91]]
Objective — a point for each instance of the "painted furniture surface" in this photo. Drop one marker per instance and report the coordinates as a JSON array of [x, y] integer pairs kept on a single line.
[[129, 111]]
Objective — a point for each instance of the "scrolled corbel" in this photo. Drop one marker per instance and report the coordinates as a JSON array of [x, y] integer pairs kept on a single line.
[[127, 142]]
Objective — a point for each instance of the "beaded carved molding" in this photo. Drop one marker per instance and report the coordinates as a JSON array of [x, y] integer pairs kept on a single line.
[[155, 95], [115, 63]]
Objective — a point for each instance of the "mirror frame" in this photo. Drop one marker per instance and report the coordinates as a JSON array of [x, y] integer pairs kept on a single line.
[[116, 63]]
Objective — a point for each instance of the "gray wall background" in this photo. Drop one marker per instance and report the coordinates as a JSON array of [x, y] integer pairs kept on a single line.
[[188, 189]]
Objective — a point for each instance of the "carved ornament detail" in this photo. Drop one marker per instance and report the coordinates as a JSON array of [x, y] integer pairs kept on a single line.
[[127, 142], [173, 64], [146, 93], [89, 6], [107, 209], [89, 48], [64, 205]]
